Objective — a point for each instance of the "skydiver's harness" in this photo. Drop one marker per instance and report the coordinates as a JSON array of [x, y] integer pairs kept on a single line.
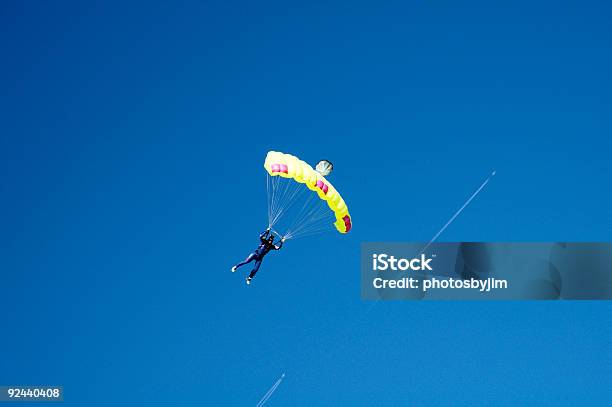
[[265, 247]]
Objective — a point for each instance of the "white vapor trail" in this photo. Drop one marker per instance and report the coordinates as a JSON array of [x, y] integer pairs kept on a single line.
[[269, 393], [470, 199]]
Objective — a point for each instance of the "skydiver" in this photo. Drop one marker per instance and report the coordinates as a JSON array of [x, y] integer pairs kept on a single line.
[[266, 244]]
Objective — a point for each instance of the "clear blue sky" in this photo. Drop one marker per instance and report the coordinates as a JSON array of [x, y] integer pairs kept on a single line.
[[132, 138]]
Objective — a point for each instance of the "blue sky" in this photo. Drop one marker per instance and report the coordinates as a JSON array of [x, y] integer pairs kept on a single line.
[[133, 138]]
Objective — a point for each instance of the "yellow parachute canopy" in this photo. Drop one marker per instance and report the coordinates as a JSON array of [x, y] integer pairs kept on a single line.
[[288, 166]]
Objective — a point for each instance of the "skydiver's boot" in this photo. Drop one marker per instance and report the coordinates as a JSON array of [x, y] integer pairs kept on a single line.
[[248, 280], [234, 269]]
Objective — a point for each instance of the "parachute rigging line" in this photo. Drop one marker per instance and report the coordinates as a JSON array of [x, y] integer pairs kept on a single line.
[[310, 215]]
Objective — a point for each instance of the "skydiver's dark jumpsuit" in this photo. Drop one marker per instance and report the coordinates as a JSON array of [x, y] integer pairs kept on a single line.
[[258, 255]]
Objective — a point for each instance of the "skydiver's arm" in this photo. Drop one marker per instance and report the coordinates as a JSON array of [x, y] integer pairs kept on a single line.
[[280, 245]]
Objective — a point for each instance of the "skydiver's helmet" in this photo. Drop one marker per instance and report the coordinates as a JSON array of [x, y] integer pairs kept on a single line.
[[270, 239]]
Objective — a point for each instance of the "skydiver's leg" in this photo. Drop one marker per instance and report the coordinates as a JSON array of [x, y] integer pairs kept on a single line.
[[254, 271], [249, 259]]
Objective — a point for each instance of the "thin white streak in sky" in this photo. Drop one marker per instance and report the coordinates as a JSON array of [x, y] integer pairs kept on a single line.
[[271, 391], [470, 199]]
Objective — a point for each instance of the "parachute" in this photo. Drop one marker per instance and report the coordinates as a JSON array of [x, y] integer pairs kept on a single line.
[[304, 196]]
